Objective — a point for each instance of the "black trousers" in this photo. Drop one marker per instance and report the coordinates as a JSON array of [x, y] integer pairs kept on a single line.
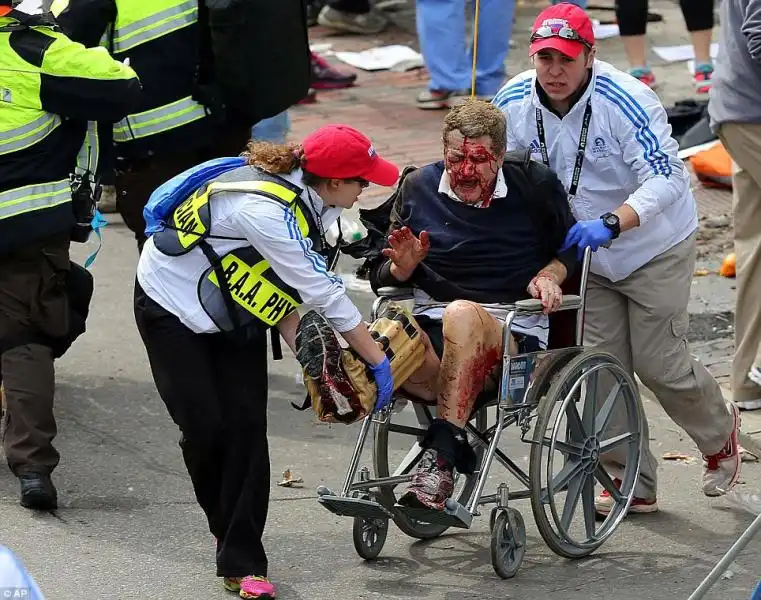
[[631, 15], [351, 6], [216, 392]]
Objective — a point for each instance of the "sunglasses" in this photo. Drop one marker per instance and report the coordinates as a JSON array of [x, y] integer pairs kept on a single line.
[[565, 33]]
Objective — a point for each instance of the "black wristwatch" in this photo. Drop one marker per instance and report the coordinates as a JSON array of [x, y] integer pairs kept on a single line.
[[613, 223]]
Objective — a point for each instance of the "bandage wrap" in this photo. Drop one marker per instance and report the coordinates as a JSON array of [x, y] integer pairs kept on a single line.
[[400, 337]]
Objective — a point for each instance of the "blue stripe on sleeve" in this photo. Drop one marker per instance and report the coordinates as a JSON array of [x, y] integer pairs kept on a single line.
[[633, 111], [316, 260], [516, 91]]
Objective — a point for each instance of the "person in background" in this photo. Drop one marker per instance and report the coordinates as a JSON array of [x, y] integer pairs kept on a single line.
[[735, 112], [607, 137], [631, 16], [353, 16], [53, 91], [448, 56]]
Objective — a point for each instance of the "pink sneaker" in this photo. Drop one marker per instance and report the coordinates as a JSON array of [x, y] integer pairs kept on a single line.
[[257, 587], [250, 587]]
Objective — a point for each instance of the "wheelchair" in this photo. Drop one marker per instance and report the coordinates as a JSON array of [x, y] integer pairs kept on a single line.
[[561, 401]]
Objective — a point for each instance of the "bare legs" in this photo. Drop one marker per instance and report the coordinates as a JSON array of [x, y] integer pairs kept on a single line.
[[472, 355]]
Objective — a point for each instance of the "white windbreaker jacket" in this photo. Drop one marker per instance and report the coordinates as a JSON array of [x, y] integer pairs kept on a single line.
[[241, 219], [630, 157]]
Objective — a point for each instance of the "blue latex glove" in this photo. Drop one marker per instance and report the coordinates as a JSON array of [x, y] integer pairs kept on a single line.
[[385, 383], [591, 233]]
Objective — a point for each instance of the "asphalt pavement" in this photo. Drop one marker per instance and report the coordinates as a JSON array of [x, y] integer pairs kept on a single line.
[[128, 526]]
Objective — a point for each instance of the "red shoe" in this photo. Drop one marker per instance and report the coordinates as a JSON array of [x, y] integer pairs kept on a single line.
[[722, 470], [604, 503], [645, 75], [703, 76], [325, 77], [310, 98]]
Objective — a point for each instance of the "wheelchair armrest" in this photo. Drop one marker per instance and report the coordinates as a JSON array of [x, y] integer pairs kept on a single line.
[[395, 292], [534, 306]]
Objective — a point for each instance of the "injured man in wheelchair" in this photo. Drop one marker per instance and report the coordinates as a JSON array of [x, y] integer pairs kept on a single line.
[[470, 234]]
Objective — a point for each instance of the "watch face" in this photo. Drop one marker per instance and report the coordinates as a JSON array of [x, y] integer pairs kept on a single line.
[[611, 220]]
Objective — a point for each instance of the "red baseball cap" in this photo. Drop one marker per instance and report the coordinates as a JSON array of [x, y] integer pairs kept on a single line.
[[556, 27], [342, 152]]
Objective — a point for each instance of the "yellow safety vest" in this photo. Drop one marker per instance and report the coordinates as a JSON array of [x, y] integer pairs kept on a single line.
[[139, 22], [24, 123], [259, 297]]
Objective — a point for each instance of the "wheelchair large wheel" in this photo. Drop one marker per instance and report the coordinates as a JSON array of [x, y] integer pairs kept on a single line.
[[572, 433], [464, 484]]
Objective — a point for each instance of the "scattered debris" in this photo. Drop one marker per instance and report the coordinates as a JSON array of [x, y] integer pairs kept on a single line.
[[289, 480], [395, 57], [748, 455], [702, 272], [678, 456], [715, 236], [728, 266]]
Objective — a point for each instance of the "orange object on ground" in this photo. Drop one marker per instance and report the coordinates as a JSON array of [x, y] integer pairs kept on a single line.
[[728, 266], [713, 167]]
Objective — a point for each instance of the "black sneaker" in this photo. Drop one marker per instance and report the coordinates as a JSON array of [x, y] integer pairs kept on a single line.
[[319, 353], [37, 491]]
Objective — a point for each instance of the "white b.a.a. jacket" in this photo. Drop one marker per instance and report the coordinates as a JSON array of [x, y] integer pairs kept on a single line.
[[630, 157]]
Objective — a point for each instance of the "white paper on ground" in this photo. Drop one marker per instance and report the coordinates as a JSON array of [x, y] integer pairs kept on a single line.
[[603, 32], [681, 53], [320, 48], [30, 7], [687, 152], [384, 57]]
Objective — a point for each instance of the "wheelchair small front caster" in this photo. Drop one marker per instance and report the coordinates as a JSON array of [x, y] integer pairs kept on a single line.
[[508, 541], [369, 536]]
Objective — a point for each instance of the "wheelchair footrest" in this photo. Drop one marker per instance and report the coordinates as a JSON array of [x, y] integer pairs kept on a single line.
[[453, 515], [355, 507]]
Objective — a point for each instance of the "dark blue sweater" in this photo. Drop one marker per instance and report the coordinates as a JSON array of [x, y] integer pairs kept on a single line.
[[483, 254]]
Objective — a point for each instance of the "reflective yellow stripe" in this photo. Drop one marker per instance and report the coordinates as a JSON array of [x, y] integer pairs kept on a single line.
[[87, 159], [187, 220], [301, 220], [27, 135], [250, 290], [34, 197], [156, 25], [157, 120], [268, 187]]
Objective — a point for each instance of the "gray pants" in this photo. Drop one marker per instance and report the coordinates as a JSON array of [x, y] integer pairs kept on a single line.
[[743, 142], [643, 321]]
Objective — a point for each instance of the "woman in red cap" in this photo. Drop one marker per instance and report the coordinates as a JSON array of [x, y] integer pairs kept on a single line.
[[259, 227]]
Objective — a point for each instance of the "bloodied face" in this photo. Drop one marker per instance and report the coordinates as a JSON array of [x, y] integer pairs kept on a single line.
[[472, 165]]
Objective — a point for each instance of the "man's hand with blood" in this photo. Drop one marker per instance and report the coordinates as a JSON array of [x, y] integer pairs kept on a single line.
[[547, 290], [406, 251]]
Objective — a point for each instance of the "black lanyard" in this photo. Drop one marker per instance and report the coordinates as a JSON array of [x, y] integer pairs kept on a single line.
[[579, 153]]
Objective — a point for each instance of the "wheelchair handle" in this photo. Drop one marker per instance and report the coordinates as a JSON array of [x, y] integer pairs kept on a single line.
[[534, 306]]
